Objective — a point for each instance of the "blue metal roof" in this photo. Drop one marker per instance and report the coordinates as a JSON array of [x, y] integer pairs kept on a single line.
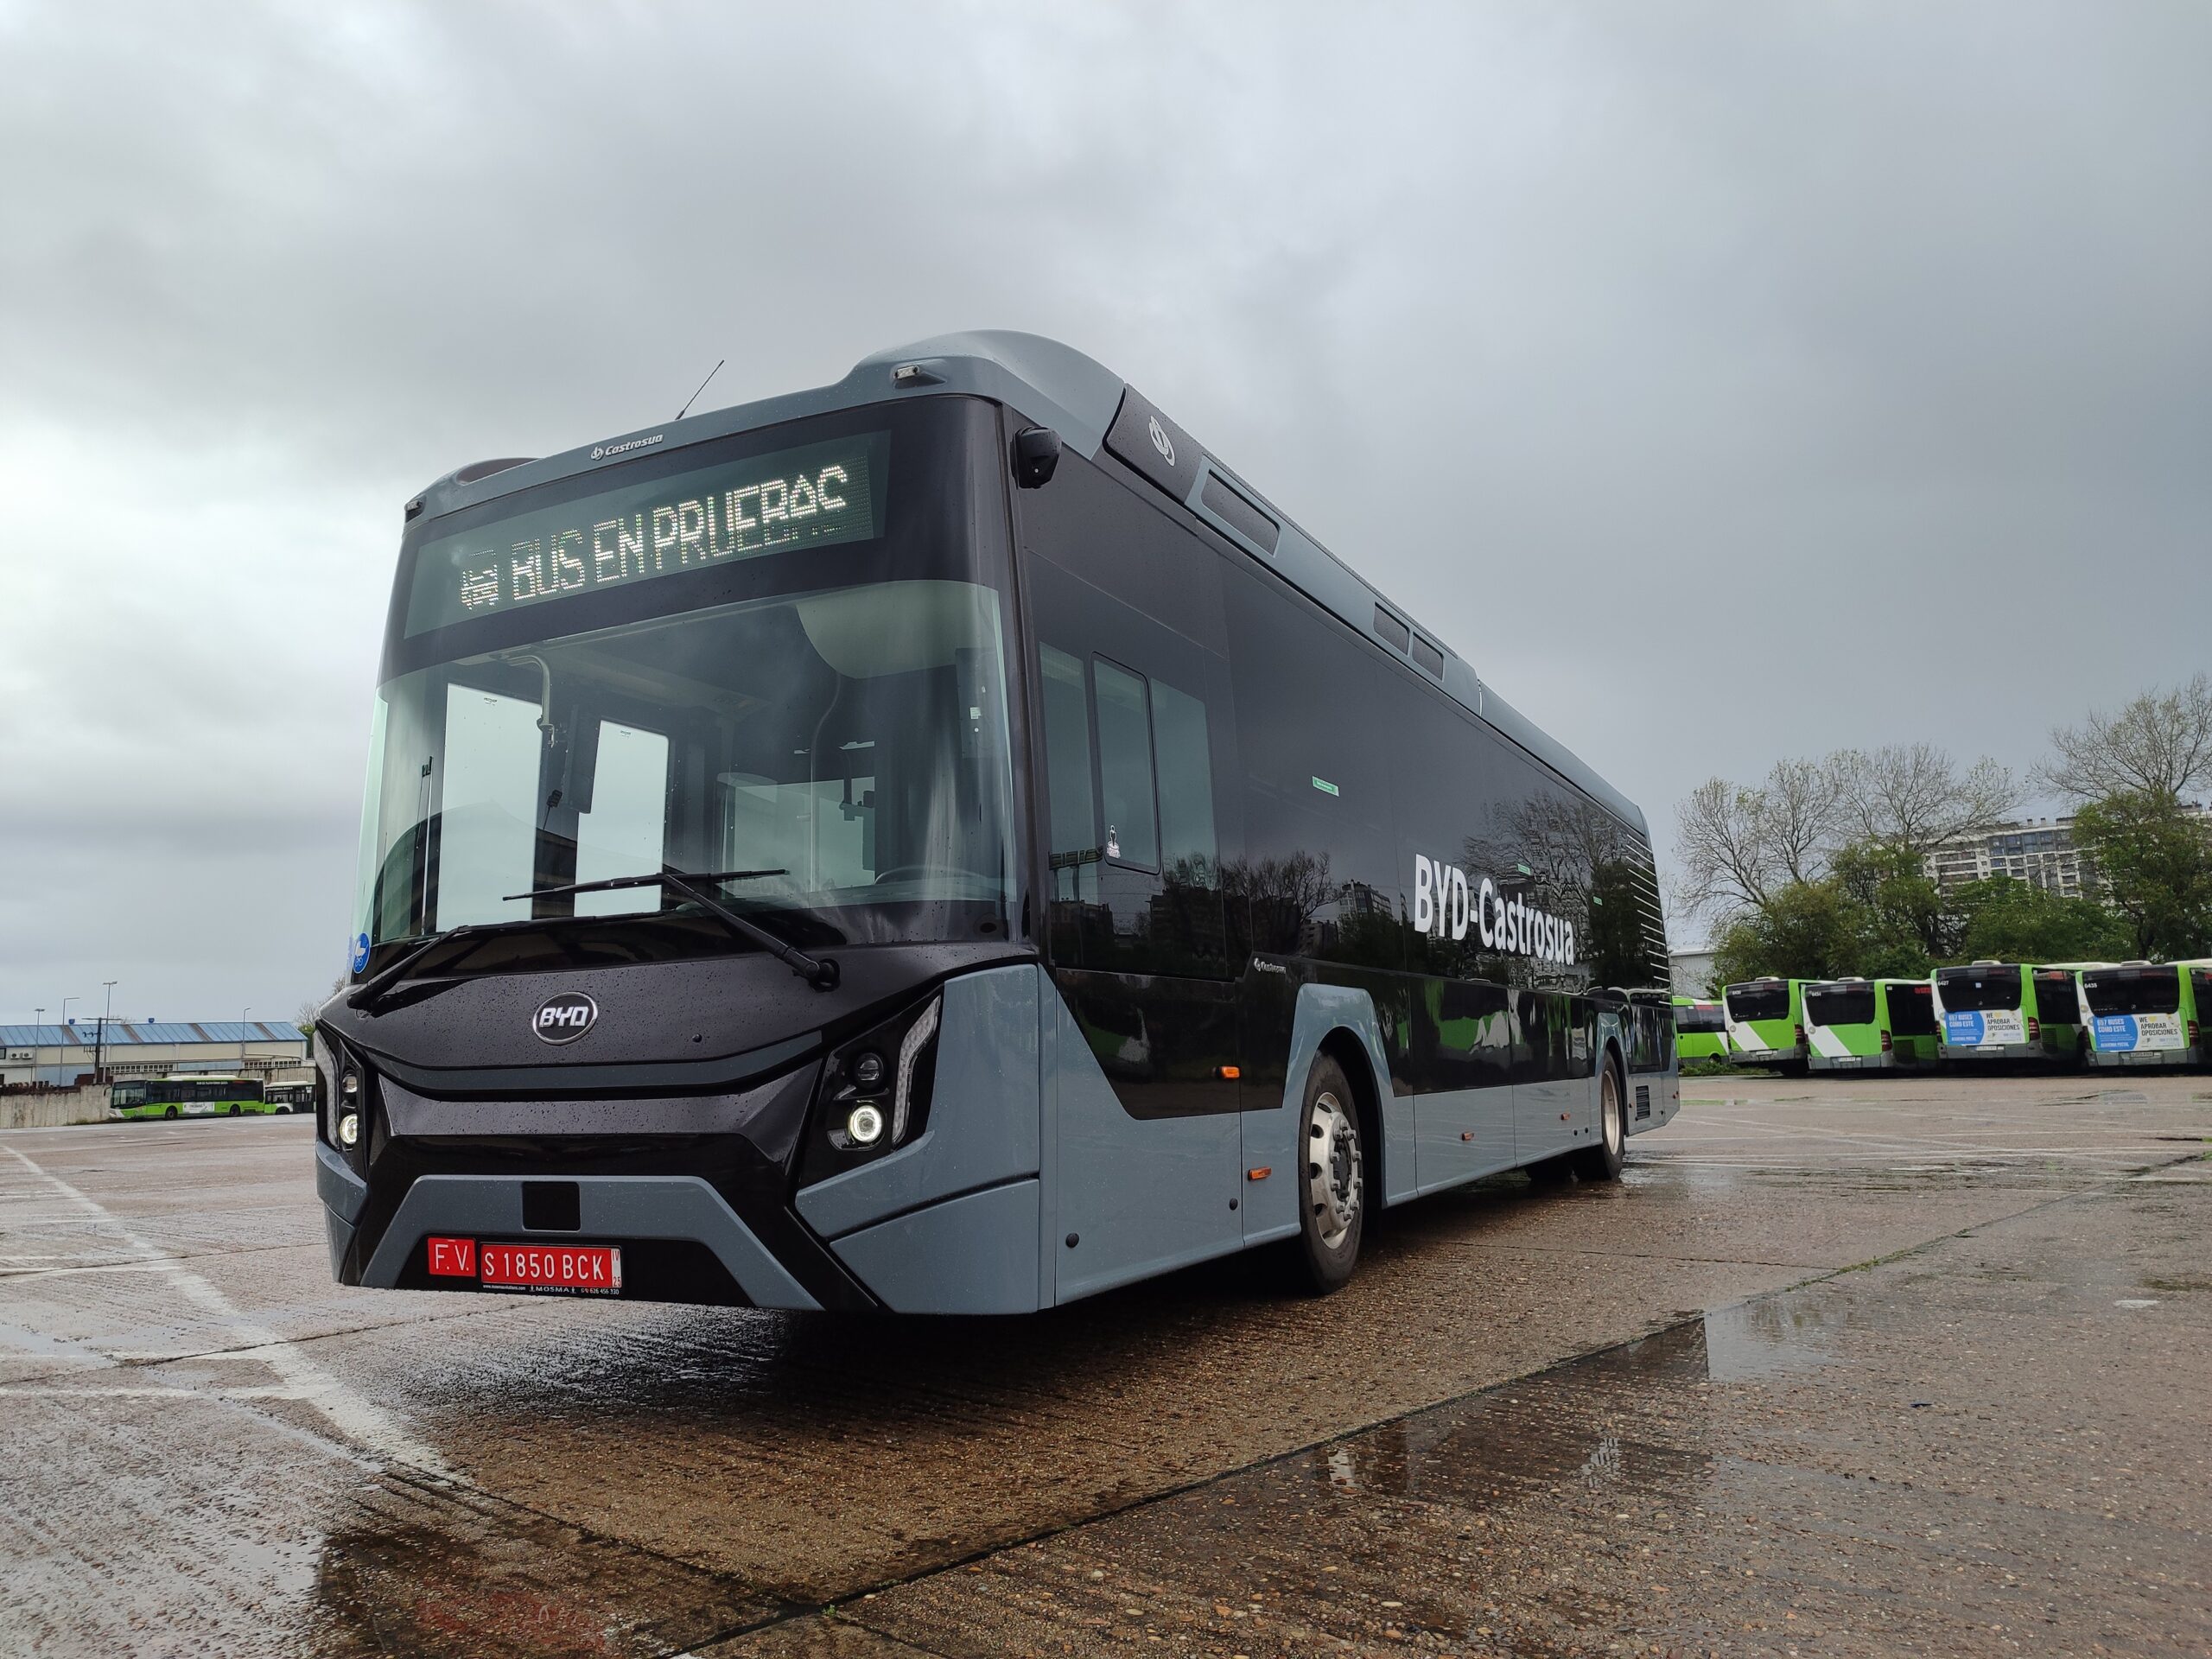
[[120, 1033]]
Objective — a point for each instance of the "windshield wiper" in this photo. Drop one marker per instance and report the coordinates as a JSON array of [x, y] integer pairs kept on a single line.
[[821, 972], [371, 990]]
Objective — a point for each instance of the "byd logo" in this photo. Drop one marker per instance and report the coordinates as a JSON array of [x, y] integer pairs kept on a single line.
[[564, 1019]]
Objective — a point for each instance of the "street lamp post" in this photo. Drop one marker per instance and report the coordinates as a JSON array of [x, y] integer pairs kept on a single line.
[[99, 1038], [242, 1014]]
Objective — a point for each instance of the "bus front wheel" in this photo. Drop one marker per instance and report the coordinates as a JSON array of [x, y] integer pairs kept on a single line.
[[234, 1109], [1331, 1177], [1603, 1161], [170, 1113]]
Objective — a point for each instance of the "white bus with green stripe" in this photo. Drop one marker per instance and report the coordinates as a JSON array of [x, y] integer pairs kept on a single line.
[[1870, 1025]]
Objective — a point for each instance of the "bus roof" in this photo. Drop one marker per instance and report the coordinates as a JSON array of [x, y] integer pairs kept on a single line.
[[1085, 403]]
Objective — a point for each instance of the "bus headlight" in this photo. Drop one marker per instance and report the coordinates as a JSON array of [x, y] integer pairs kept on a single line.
[[877, 1089], [349, 1129]]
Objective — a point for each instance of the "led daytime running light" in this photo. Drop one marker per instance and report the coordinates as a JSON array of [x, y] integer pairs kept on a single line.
[[917, 1038]]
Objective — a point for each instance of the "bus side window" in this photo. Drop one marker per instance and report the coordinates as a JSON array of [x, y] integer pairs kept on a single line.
[[1189, 852], [1125, 768], [1074, 852]]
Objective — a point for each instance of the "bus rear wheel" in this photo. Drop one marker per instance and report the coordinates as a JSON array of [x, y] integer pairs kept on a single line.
[[1332, 1179], [170, 1113], [1603, 1161], [234, 1109]]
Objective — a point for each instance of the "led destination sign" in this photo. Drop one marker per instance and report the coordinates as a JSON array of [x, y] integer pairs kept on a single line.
[[738, 510]]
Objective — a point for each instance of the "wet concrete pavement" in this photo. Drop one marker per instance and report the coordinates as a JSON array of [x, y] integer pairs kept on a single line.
[[1883, 1365]]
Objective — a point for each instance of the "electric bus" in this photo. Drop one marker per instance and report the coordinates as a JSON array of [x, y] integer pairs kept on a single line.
[[2147, 1013], [1701, 1029], [2009, 1011], [1766, 1023], [1877, 1025], [945, 842], [189, 1096]]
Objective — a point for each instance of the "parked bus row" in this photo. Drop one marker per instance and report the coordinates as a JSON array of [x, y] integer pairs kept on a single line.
[[198, 1095], [2103, 1013]]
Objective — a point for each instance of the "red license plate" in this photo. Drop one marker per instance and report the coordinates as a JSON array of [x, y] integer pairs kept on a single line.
[[589, 1269]]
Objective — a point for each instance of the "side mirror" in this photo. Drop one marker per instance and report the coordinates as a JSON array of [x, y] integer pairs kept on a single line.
[[1036, 454]]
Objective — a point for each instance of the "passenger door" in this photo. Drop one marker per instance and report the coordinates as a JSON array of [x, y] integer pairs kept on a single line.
[[1135, 723]]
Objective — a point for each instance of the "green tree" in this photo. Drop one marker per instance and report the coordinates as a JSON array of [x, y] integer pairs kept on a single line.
[[1901, 925], [1809, 929], [2005, 920], [2157, 865]]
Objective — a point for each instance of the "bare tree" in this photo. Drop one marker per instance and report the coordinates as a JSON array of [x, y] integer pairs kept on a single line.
[[1738, 845], [312, 1005], [1913, 796], [1801, 809], [2157, 745]]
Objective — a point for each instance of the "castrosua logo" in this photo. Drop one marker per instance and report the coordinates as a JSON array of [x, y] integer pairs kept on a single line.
[[602, 451], [1447, 905], [1162, 442]]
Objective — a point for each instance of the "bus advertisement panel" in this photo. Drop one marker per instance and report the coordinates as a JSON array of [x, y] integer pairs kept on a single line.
[[2147, 1013], [1766, 1023], [1869, 1024], [944, 843]]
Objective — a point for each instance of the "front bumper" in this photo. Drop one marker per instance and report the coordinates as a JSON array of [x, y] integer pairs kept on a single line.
[[709, 1196]]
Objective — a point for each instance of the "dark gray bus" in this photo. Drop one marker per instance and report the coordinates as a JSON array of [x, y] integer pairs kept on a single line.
[[942, 843]]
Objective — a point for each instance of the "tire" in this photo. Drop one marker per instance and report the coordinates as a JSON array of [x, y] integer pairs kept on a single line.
[[1603, 1161], [170, 1113], [234, 1109], [1332, 1179]]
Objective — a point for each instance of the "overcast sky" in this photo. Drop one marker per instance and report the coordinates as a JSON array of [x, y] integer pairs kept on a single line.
[[1723, 382]]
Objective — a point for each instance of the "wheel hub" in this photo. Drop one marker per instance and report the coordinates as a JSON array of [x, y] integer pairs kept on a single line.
[[1333, 1169]]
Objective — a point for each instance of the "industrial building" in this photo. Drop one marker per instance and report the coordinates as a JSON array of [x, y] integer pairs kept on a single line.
[[62, 1055]]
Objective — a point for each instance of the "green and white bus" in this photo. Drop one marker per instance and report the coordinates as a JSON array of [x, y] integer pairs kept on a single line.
[[1701, 1029], [2010, 1011], [1853, 1025], [186, 1097], [2147, 1013], [1766, 1022]]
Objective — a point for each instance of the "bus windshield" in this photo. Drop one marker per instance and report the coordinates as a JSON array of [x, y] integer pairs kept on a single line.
[[1840, 1005], [1912, 1010], [848, 743], [2055, 997], [1979, 989], [2134, 990], [1762, 999]]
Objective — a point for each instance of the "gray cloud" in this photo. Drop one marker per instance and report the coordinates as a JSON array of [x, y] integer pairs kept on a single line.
[[1722, 382]]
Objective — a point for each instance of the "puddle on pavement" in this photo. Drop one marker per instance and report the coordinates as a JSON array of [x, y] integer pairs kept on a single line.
[[410, 1571], [1579, 1420], [407, 1571]]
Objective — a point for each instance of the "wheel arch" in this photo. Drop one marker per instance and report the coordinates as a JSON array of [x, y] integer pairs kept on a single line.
[[1345, 1046]]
